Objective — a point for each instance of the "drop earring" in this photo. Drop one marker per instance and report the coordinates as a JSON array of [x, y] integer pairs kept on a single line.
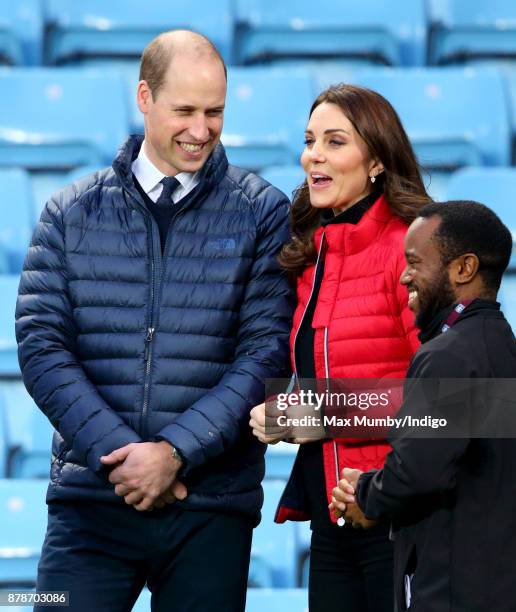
[[373, 179]]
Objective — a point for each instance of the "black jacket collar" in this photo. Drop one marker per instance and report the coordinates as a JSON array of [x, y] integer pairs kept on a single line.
[[351, 215], [478, 306]]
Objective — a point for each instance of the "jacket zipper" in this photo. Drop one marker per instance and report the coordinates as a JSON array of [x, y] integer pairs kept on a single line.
[[149, 337], [340, 521], [151, 329]]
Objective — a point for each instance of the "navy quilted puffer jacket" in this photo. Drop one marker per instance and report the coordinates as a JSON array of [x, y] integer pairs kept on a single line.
[[118, 344]]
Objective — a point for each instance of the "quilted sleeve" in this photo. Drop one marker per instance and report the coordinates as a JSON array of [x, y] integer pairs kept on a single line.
[[46, 336]]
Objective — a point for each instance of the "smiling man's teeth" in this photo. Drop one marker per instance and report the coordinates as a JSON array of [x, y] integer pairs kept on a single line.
[[191, 148]]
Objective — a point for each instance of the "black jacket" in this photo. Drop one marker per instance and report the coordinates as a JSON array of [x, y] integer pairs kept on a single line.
[[119, 343], [452, 501]]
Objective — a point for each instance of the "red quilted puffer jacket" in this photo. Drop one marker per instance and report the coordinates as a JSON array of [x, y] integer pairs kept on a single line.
[[363, 327]]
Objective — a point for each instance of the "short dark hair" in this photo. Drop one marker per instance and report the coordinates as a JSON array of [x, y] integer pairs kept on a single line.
[[157, 56], [471, 227]]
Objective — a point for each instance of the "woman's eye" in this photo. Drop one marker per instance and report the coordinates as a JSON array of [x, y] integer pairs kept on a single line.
[[308, 141], [337, 142]]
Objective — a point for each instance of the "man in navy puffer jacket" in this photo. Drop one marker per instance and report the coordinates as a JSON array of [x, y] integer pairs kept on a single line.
[[151, 310]]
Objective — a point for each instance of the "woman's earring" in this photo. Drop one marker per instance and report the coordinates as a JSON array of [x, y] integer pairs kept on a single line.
[[373, 179]]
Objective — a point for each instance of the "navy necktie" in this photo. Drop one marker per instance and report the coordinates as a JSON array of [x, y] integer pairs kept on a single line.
[[170, 183]]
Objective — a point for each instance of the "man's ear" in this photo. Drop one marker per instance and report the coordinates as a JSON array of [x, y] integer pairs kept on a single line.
[[464, 269], [143, 96]]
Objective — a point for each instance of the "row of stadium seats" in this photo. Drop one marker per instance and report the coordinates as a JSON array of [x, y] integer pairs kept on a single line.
[[409, 32], [454, 116]]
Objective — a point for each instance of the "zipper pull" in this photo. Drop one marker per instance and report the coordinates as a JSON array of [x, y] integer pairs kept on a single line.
[[148, 340]]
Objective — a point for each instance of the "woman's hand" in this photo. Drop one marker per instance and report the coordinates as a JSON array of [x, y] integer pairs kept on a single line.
[[264, 423]]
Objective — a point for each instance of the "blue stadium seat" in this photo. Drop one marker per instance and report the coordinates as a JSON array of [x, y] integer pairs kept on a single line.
[[260, 573], [29, 434], [266, 115], [4, 260], [17, 213], [23, 513], [274, 546], [11, 51], [81, 117], [507, 298], [8, 348], [436, 183], [277, 600], [143, 602], [454, 116], [507, 69], [279, 460], [477, 28], [331, 73], [378, 32], [494, 187], [285, 178], [94, 28], [130, 72], [21, 28]]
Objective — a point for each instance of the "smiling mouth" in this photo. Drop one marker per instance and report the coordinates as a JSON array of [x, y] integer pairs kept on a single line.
[[191, 147], [412, 297]]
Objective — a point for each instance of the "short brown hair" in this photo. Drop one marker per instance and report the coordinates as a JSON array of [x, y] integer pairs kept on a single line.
[[157, 55]]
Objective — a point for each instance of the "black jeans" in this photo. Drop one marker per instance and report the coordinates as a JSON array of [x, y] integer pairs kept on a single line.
[[103, 554], [351, 570]]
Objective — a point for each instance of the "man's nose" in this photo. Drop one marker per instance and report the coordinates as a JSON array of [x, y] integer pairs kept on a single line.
[[199, 128]]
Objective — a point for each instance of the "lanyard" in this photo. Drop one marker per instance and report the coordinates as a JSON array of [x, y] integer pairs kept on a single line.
[[455, 315]]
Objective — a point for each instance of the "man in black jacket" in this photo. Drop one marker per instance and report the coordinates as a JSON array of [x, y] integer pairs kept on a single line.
[[451, 500], [151, 310]]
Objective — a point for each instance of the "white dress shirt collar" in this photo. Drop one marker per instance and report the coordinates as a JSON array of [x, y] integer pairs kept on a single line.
[[149, 178]]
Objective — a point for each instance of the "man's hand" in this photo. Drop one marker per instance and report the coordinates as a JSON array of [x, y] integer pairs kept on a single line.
[[176, 492], [264, 423], [344, 503], [352, 477], [143, 472]]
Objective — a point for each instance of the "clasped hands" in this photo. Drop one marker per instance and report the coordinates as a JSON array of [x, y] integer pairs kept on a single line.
[[344, 503], [145, 474]]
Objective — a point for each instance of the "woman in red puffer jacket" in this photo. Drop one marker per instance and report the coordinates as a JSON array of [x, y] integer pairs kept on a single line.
[[349, 218]]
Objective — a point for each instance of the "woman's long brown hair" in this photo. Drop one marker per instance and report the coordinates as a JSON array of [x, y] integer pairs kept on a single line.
[[379, 126]]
